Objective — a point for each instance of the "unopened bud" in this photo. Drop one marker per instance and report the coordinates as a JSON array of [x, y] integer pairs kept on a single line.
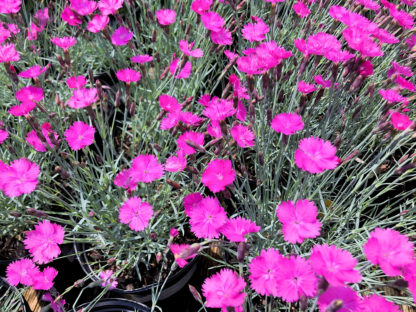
[[158, 257], [79, 283], [241, 251], [15, 214], [189, 251], [174, 184], [36, 213], [111, 260], [261, 158], [195, 293]]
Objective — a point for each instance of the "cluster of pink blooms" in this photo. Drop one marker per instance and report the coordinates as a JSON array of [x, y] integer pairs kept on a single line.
[[43, 245], [20, 177]]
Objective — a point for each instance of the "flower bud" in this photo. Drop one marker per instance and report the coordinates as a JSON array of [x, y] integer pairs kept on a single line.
[[174, 184], [15, 214], [241, 251], [189, 251], [36, 213], [195, 293]]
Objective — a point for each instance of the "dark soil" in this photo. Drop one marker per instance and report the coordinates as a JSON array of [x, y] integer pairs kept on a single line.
[[11, 248]]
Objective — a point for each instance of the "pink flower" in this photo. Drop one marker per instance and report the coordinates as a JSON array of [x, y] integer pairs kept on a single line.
[[145, 168], [173, 232], [320, 81], [409, 275], [195, 137], [250, 65], [141, 59], [299, 221], [295, 279], [405, 84], [242, 135], [69, 16], [79, 135], [390, 250], [218, 174], [44, 280], [3, 133], [224, 289], [65, 42], [212, 21], [207, 218], [121, 36], [236, 229], [22, 109], [190, 119], [108, 7], [30, 94], [21, 271], [176, 163], [82, 97], [76, 82], [334, 264], [402, 17], [301, 9], [33, 139], [401, 70], [4, 33], [186, 47], [221, 37], [21, 177], [57, 306], [10, 6], [33, 71], [166, 16], [315, 155], [400, 121], [97, 23], [366, 69], [108, 279], [191, 201], [256, 31], [43, 241], [176, 250], [128, 75], [306, 88], [181, 72], [136, 213], [201, 6], [377, 303], [361, 42], [8, 53], [169, 103], [369, 4], [287, 123], [219, 109], [391, 95], [83, 7], [264, 270], [348, 297]]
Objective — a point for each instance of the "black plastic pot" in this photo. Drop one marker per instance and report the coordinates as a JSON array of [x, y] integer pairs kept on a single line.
[[144, 294], [4, 285], [115, 305]]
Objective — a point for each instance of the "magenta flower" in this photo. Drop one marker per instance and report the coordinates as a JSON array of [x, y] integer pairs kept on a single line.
[[186, 49], [121, 36], [43, 241], [190, 119], [176, 250], [195, 137], [348, 297], [377, 303], [83, 7], [391, 96], [69, 16], [55, 306], [181, 72], [22, 109], [306, 88], [299, 220], [176, 163], [21, 177], [390, 250], [128, 75], [218, 174], [409, 275], [169, 103], [136, 213], [320, 81], [251, 65], [201, 6], [264, 272], [21, 271], [369, 4], [221, 37], [76, 82], [224, 289], [191, 201], [82, 97], [8, 53], [334, 264], [236, 229], [287, 123], [108, 279], [301, 9], [315, 155], [400, 121], [405, 84], [145, 168], [366, 69], [64, 43], [242, 135], [401, 70], [141, 59], [219, 109], [403, 18], [79, 135], [361, 42], [33, 71], [295, 279], [108, 7], [207, 218], [30, 94], [33, 139], [44, 280], [165, 16], [212, 21], [10, 6], [3, 133], [256, 31], [98, 23]]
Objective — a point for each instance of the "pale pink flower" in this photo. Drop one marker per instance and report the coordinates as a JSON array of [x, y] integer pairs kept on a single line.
[[224, 289], [390, 250], [136, 213], [65, 42], [21, 271], [287, 123], [8, 53], [255, 31], [165, 16], [315, 155], [181, 72], [334, 264], [377, 303], [108, 7], [299, 220], [43, 241], [69, 17], [33, 71], [141, 59], [242, 135], [236, 229], [121, 36], [79, 135], [400, 121], [194, 137], [97, 23], [44, 280], [108, 279], [128, 75], [212, 21], [348, 297], [218, 174], [301, 9], [186, 49], [207, 218]]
